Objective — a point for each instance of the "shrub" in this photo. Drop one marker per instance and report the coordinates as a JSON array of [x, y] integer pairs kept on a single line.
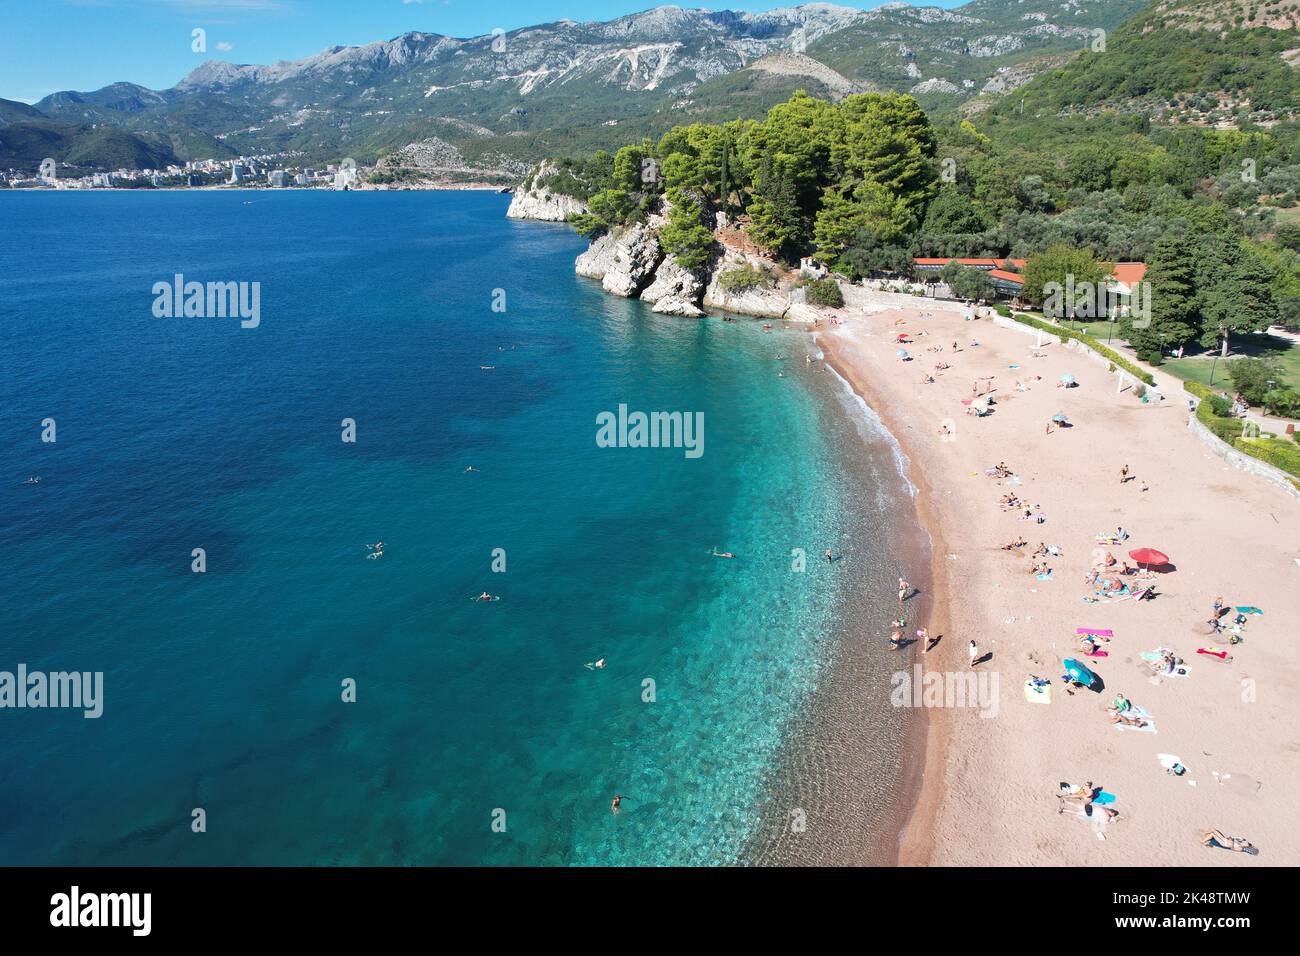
[[1152, 357], [1220, 406], [1252, 377], [825, 292], [745, 277], [1279, 454]]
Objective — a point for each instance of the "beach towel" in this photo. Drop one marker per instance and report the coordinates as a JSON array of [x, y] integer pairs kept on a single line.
[[1169, 761], [1044, 577], [1096, 653], [1216, 652], [1249, 610], [1150, 728], [1151, 657], [1038, 693], [1088, 815]]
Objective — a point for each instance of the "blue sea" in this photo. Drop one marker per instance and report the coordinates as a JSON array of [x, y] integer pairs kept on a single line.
[[477, 736]]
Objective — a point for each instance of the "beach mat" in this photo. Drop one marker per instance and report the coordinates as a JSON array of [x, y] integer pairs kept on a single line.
[[1150, 728], [1042, 695]]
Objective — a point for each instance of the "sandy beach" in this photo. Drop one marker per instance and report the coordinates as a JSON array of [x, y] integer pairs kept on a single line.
[[990, 783]]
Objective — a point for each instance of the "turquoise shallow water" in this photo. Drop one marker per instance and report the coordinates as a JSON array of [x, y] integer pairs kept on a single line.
[[223, 688]]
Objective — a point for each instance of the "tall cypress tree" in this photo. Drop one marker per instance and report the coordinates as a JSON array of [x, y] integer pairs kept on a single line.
[[1174, 317]]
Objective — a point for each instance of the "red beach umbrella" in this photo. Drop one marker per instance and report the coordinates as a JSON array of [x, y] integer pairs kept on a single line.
[[1149, 556]]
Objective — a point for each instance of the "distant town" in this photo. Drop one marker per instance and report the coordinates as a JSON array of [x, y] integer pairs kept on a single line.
[[270, 171]]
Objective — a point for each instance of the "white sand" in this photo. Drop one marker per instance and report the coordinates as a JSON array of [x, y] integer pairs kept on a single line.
[[989, 790]]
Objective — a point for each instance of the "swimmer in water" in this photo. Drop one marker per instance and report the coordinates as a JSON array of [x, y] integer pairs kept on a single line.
[[469, 469], [596, 665], [616, 803], [377, 553], [721, 554], [485, 597], [33, 480], [829, 557]]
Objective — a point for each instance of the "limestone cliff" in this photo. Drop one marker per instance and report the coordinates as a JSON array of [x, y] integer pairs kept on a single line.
[[535, 200]]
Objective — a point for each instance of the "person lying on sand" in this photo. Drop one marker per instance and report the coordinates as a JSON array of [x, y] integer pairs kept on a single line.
[[1080, 800], [1015, 545], [1129, 720], [1165, 664], [1217, 838]]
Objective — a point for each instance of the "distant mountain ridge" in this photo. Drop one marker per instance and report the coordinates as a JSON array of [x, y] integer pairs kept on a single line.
[[514, 97]]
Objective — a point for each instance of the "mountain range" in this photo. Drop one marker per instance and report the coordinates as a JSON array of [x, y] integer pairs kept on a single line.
[[490, 106]]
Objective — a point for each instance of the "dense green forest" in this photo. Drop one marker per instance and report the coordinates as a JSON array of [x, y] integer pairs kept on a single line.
[[1173, 141], [871, 182]]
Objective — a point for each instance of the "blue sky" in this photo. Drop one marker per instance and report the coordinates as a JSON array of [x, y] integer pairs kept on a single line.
[[50, 45]]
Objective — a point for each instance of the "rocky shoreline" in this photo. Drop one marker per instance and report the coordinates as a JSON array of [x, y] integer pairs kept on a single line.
[[630, 262]]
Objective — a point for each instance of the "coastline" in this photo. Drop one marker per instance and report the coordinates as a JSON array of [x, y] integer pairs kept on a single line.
[[981, 791], [847, 755], [984, 788], [925, 737]]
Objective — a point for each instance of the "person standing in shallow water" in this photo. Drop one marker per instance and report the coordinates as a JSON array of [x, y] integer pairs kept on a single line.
[[616, 804]]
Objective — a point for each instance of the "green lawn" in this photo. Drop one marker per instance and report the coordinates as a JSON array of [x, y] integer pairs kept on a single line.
[[1098, 329], [1198, 368]]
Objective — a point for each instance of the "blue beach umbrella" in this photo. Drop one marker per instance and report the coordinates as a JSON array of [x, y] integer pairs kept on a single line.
[[1078, 672], [1068, 379], [1060, 418], [901, 353]]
